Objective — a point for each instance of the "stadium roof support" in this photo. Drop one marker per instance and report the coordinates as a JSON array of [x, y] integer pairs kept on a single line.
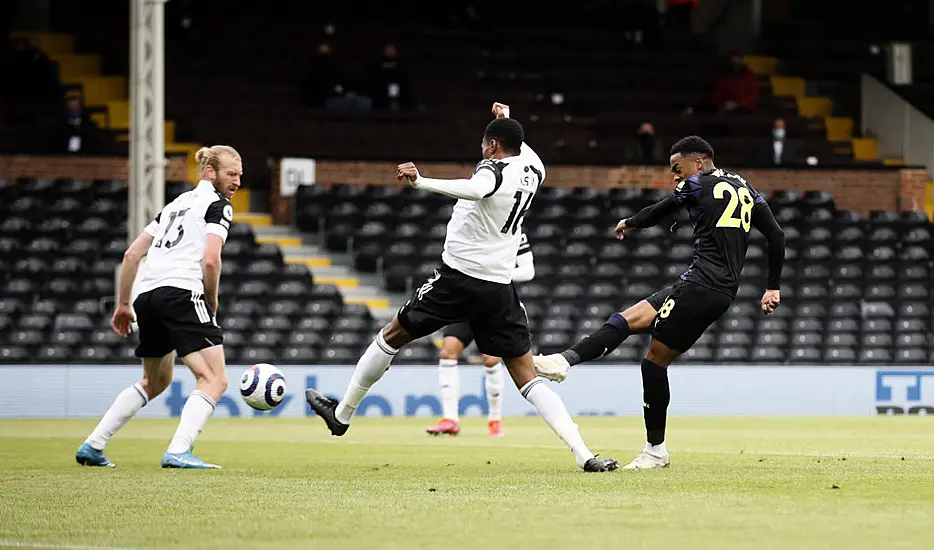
[[147, 106]]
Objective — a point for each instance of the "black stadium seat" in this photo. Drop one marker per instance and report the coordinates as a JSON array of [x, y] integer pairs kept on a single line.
[[855, 290]]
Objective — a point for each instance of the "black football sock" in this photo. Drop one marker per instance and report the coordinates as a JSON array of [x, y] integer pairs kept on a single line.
[[603, 341], [655, 398]]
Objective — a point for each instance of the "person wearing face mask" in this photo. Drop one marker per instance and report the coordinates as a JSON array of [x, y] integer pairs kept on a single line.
[[779, 151], [737, 88], [644, 148], [77, 133]]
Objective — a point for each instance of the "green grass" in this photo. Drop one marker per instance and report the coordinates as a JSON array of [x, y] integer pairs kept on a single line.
[[733, 483]]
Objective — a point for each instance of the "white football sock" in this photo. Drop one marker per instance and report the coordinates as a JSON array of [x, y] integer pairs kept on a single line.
[[659, 450], [195, 414], [449, 377], [372, 365], [125, 407], [552, 409], [494, 390]]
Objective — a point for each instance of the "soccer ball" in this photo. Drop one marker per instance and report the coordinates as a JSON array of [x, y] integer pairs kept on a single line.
[[262, 386]]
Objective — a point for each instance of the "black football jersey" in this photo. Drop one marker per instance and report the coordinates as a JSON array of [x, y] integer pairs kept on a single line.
[[720, 204]]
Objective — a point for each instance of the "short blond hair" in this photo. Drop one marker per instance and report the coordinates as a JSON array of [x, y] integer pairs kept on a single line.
[[210, 156]]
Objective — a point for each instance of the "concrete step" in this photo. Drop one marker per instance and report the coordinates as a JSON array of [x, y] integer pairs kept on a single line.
[[326, 267], [310, 255], [276, 231], [338, 275], [302, 250]]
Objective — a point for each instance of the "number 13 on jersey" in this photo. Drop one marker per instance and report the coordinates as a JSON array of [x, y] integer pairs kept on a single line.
[[739, 196]]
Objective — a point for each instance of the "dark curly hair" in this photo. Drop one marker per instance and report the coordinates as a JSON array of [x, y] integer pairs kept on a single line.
[[507, 132], [692, 145]]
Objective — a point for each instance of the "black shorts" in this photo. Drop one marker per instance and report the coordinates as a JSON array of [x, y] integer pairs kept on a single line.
[[461, 331], [686, 313], [656, 300], [492, 311], [172, 318]]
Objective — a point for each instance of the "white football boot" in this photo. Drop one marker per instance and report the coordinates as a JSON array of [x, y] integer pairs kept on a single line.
[[553, 367], [649, 458]]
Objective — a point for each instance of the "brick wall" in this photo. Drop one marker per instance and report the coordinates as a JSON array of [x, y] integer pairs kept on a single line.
[[852, 189], [83, 168], [862, 190]]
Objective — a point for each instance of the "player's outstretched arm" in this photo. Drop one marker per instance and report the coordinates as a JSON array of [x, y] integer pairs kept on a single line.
[[651, 215], [480, 186], [764, 222]]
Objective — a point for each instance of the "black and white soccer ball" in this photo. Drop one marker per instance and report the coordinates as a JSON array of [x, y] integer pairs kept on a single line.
[[262, 386]]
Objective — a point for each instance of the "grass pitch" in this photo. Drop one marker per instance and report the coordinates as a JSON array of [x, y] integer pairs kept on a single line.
[[733, 483]]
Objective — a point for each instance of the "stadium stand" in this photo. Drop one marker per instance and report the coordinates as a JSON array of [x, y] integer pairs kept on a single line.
[[586, 91], [856, 288]]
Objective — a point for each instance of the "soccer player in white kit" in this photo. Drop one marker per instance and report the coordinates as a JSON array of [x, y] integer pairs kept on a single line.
[[176, 309], [473, 285]]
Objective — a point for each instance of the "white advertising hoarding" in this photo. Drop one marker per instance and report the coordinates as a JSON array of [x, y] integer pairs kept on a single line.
[[87, 390]]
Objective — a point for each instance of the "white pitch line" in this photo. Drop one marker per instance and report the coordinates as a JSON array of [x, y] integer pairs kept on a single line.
[[27, 544]]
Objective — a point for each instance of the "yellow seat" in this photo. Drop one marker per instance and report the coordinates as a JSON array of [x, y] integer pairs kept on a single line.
[[72, 66], [98, 90]]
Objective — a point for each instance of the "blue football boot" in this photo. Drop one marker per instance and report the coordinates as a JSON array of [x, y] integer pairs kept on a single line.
[[186, 460], [89, 456]]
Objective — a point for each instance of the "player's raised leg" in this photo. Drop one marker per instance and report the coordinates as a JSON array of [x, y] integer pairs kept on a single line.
[[437, 303], [494, 382], [370, 368], [618, 327], [157, 375], [210, 370], [456, 338]]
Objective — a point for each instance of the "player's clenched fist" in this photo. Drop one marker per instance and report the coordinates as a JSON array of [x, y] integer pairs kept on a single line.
[[621, 229], [500, 110], [770, 300], [407, 171]]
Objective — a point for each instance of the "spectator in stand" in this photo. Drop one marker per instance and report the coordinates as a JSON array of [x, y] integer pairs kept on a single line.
[[645, 147], [779, 151], [324, 80], [77, 134], [737, 88], [388, 83]]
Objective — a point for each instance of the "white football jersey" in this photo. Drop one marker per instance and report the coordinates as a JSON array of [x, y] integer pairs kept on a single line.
[[179, 234], [483, 235]]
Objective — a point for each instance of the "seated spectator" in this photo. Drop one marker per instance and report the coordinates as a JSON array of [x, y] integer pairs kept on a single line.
[[644, 148], [737, 88], [388, 83], [77, 134], [779, 151]]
